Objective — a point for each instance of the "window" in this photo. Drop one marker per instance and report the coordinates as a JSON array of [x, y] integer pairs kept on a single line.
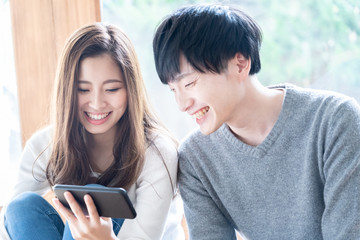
[[305, 42], [10, 141]]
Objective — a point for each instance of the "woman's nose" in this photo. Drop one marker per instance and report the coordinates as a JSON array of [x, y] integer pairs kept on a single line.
[[97, 100]]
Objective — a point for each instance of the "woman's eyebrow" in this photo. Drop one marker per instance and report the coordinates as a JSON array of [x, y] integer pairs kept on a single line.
[[105, 82], [83, 82], [113, 81]]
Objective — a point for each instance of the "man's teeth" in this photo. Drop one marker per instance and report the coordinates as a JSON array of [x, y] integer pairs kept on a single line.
[[200, 113], [97, 116]]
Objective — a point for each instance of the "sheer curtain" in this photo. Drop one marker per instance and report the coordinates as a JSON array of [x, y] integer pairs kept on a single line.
[[10, 141]]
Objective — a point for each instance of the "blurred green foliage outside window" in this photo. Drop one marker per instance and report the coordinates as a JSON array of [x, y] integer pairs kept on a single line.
[[310, 43]]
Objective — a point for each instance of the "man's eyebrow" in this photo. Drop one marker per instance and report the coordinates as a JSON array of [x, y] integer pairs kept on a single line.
[[180, 76]]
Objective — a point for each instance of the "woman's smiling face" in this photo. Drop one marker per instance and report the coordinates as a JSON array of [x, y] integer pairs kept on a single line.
[[102, 94]]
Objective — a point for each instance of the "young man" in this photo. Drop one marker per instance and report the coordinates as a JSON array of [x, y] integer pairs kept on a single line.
[[277, 162]]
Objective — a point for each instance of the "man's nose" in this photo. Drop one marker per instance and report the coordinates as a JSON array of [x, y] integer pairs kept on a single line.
[[183, 101]]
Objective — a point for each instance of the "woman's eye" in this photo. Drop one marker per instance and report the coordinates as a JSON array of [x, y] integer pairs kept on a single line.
[[112, 89], [82, 90]]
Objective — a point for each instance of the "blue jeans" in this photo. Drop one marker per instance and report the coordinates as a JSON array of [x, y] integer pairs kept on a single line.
[[30, 217]]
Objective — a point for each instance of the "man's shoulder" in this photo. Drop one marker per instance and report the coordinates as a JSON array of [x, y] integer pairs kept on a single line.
[[316, 94], [193, 138], [311, 100], [197, 142]]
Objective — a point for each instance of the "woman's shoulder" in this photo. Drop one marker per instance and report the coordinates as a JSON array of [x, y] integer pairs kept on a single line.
[[162, 144], [160, 164], [38, 146], [161, 151], [40, 140], [42, 135]]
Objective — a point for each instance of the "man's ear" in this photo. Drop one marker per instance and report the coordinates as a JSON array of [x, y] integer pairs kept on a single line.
[[242, 63]]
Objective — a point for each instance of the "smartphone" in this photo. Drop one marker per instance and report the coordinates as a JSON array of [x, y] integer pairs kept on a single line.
[[109, 201]]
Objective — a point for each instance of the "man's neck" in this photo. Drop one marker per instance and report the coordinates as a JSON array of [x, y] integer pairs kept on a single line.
[[257, 114]]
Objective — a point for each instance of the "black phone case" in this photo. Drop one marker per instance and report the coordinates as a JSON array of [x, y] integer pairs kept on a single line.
[[109, 202]]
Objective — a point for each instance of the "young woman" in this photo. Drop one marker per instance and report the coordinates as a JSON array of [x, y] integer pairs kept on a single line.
[[103, 132]]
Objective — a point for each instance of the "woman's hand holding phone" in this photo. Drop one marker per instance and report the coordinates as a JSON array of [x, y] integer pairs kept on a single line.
[[85, 227]]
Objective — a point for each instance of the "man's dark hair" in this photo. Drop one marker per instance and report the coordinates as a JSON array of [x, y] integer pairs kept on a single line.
[[208, 36]]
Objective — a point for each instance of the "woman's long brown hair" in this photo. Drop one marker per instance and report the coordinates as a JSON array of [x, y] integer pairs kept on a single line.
[[69, 160]]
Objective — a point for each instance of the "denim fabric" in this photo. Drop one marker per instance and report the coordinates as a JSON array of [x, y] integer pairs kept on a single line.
[[31, 217]]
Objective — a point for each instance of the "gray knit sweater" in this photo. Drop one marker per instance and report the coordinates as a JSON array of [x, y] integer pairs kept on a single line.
[[301, 182]]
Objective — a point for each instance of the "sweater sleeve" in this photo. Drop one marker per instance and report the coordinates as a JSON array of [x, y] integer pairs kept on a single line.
[[204, 218], [31, 171], [341, 159], [153, 193], [33, 162]]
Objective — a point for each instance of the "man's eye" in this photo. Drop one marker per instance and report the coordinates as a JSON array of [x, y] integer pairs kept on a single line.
[[190, 84]]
